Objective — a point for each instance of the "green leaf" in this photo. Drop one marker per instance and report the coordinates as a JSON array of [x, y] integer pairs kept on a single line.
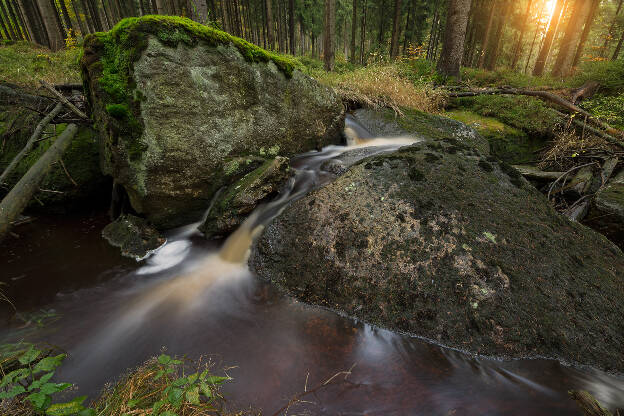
[[87, 412], [168, 413], [133, 403], [216, 379], [180, 382], [164, 359], [192, 378], [29, 356], [16, 390], [156, 407], [175, 397], [14, 376], [67, 409], [51, 388], [39, 400], [176, 362], [49, 363], [206, 390], [159, 374], [193, 395]]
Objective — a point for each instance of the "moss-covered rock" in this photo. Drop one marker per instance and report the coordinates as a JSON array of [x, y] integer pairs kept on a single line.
[[509, 144], [175, 101], [607, 212], [386, 123], [440, 241], [235, 203], [134, 236], [71, 184]]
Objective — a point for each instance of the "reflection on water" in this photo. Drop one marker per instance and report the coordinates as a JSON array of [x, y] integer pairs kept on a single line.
[[195, 299]]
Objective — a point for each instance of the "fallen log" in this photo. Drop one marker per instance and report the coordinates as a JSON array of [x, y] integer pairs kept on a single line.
[[588, 404], [532, 172], [31, 141], [64, 100], [549, 96], [17, 199]]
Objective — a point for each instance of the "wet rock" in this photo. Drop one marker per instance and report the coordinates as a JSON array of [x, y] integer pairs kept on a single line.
[[235, 203], [440, 241], [190, 100], [133, 235], [386, 123], [607, 213]]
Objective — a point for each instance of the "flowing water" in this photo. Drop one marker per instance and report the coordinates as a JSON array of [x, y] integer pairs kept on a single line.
[[197, 298]]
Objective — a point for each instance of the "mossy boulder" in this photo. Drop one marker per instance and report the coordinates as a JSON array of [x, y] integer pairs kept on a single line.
[[440, 241], [73, 183], [387, 123], [235, 203], [509, 144], [175, 101], [134, 236]]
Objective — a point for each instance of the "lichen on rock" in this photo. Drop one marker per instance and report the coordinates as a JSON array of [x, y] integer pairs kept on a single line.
[[134, 236]]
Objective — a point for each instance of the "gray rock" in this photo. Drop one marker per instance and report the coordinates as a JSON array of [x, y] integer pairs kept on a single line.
[[133, 235], [607, 213], [439, 241]]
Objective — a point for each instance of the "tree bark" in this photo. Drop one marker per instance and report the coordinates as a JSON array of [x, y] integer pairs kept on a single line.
[[571, 38], [31, 141], [548, 40], [291, 25], [394, 41], [269, 25], [353, 31], [81, 24], [454, 36], [49, 16], [6, 33], [363, 32], [486, 37], [492, 57], [605, 46], [618, 48], [518, 48], [586, 30], [17, 199], [31, 22], [14, 16], [329, 37]]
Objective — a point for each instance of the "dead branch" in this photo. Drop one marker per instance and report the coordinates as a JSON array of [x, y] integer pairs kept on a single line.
[[16, 200], [31, 141], [552, 186], [588, 404], [531, 172], [64, 100]]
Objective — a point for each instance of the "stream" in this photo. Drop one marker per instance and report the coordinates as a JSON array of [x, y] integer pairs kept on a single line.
[[198, 298]]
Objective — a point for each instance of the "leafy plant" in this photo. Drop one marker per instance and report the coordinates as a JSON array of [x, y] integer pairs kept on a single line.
[[31, 382]]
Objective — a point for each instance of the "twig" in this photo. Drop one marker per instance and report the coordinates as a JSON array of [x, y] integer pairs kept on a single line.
[[565, 174], [297, 397], [67, 173]]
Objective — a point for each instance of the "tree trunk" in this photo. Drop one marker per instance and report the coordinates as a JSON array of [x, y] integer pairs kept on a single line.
[[605, 46], [618, 48], [394, 42], [6, 33], [269, 25], [518, 48], [291, 25], [81, 25], [454, 36], [353, 31], [433, 31], [363, 33], [87, 15], [18, 25], [492, 57], [29, 11], [329, 36], [486, 38], [548, 40], [17, 199], [160, 7], [382, 21], [66, 19], [571, 38], [586, 30], [49, 16]]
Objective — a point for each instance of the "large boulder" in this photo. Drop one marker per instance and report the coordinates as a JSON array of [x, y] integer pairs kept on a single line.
[[179, 104], [607, 213], [440, 241]]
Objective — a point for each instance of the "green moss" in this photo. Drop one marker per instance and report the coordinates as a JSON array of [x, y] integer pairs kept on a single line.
[[119, 111]]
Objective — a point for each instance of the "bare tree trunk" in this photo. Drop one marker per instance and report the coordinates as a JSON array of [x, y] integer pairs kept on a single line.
[[269, 25], [498, 37], [353, 31], [394, 41], [329, 37], [434, 27], [17, 199], [16, 20], [7, 34], [486, 38], [66, 19], [81, 24], [548, 40], [518, 48], [291, 25], [570, 41], [30, 13], [586, 30], [605, 46], [454, 37], [363, 33], [618, 48], [48, 13], [160, 7]]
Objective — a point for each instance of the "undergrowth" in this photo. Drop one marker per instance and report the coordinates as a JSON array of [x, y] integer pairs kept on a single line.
[[24, 63]]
